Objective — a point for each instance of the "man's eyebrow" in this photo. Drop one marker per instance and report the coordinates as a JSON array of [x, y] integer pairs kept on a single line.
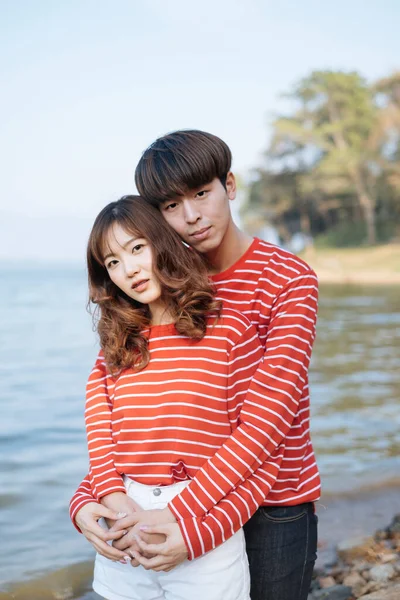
[[172, 199], [124, 246]]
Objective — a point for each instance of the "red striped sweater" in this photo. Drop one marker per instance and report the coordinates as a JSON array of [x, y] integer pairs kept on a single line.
[[162, 424], [278, 293]]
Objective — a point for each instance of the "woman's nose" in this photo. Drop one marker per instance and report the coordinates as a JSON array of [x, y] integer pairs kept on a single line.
[[131, 268]]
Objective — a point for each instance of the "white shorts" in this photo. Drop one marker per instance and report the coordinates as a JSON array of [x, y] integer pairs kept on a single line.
[[222, 574]]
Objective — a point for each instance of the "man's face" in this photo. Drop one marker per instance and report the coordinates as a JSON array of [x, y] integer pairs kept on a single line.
[[202, 216]]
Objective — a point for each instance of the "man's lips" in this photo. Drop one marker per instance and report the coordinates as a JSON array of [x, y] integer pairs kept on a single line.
[[200, 233], [139, 283]]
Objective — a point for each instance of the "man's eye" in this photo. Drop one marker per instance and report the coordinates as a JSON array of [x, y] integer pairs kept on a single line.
[[201, 194], [170, 206]]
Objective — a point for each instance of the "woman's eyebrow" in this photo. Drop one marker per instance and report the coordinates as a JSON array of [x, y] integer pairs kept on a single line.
[[123, 246]]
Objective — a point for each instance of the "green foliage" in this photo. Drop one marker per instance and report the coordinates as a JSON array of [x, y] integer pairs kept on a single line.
[[352, 235], [335, 158]]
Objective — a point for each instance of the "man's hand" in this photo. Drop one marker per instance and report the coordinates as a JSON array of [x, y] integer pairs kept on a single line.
[[134, 521], [86, 519], [165, 556], [128, 544]]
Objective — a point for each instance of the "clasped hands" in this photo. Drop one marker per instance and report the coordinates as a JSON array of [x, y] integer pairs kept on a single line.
[[150, 538], [153, 539]]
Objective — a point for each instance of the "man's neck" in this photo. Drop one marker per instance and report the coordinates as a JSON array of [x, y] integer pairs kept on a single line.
[[232, 247]]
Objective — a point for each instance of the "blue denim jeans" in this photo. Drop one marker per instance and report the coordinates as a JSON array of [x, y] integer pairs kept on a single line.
[[281, 544]]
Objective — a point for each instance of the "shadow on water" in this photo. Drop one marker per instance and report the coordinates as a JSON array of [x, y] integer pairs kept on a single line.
[[67, 583]]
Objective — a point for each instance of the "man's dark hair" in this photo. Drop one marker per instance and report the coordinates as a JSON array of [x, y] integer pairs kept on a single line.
[[181, 161]]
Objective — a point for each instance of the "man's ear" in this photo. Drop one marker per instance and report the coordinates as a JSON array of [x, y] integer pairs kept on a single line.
[[230, 185]]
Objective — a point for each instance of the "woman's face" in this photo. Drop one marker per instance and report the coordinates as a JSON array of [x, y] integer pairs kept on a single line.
[[129, 262]]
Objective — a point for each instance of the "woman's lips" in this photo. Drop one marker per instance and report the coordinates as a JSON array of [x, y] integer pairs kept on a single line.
[[140, 286]]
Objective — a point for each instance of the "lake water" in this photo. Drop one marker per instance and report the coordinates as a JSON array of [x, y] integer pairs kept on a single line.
[[47, 349]]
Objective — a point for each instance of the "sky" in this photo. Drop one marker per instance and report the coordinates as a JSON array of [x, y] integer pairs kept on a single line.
[[87, 85]]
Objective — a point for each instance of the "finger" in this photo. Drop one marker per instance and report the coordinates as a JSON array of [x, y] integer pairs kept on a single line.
[[163, 568], [169, 568], [164, 529], [107, 513], [97, 513], [126, 540], [152, 549], [127, 522], [115, 535], [135, 563], [104, 534], [131, 551], [157, 563], [108, 551]]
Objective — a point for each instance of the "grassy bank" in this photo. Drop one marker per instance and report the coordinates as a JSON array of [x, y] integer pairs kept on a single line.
[[376, 265]]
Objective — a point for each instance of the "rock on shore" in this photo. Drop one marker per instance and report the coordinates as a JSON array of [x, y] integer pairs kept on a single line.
[[365, 568]]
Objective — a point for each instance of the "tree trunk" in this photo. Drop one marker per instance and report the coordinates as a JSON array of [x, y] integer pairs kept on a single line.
[[367, 205], [366, 202], [369, 215], [305, 224]]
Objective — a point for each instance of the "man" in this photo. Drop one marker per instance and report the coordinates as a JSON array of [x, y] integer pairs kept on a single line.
[[187, 175]]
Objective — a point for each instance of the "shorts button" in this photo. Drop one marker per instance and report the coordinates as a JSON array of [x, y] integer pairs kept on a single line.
[[157, 492]]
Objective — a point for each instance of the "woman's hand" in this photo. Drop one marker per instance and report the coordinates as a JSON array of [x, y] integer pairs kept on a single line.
[[120, 502], [86, 519]]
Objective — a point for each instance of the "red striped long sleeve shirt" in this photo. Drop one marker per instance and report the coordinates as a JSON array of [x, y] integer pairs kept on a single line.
[[278, 292], [179, 416]]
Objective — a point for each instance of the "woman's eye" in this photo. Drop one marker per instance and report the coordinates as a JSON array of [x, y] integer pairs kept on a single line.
[[111, 264], [137, 247]]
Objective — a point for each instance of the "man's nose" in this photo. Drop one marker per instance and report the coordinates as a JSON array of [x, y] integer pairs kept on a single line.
[[191, 211]]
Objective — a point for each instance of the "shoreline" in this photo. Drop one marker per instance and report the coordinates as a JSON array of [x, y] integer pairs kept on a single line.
[[367, 488], [358, 551], [341, 516], [378, 265], [353, 514], [364, 279]]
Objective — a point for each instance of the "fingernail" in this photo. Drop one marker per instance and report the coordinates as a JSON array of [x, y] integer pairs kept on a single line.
[[121, 515], [122, 561], [127, 558], [143, 528], [124, 531]]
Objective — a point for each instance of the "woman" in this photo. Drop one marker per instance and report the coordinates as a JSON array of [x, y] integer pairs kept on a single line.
[[165, 393]]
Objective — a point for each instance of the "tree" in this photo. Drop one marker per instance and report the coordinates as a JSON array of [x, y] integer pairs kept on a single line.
[[387, 133], [334, 160], [331, 130]]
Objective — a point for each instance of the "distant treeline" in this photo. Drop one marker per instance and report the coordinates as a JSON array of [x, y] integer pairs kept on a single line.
[[332, 168]]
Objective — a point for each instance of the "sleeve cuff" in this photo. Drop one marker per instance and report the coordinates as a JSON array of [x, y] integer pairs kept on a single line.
[[197, 543], [76, 505], [108, 489]]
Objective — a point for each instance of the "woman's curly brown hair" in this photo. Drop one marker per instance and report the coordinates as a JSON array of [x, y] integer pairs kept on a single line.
[[186, 290]]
